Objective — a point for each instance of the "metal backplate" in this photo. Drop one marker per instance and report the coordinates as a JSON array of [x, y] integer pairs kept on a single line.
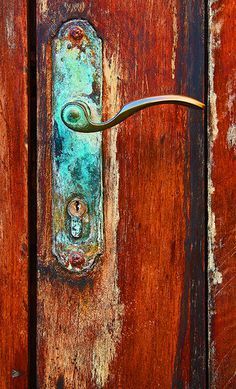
[[76, 158]]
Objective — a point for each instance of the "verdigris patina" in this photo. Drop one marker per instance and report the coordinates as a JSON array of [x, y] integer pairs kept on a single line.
[[76, 158]]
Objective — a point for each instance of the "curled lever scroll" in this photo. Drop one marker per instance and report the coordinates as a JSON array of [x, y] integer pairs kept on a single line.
[[76, 115]]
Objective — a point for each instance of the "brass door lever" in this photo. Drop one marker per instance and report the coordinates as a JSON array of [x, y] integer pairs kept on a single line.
[[77, 116]]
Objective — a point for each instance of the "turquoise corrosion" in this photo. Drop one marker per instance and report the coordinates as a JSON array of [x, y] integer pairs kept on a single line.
[[77, 157]]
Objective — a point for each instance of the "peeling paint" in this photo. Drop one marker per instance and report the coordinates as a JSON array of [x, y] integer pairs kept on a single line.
[[43, 7], [231, 136], [231, 133], [214, 43], [175, 42], [104, 349], [214, 275], [231, 96], [105, 346], [10, 30]]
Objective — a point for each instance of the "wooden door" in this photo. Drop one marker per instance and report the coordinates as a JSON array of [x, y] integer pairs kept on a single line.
[[137, 320], [146, 316]]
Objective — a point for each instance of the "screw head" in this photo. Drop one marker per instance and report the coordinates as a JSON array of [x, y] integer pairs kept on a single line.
[[74, 114], [77, 260], [77, 33]]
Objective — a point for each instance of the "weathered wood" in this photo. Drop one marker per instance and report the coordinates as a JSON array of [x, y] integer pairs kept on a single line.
[[13, 192], [222, 194], [138, 321]]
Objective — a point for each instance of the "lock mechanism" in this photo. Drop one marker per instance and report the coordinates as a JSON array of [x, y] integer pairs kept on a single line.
[[76, 155]]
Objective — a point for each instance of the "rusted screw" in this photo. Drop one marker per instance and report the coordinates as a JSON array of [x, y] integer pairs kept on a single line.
[[77, 260], [77, 33]]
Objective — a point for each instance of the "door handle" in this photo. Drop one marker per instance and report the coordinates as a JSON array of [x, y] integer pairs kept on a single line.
[[77, 186], [77, 115]]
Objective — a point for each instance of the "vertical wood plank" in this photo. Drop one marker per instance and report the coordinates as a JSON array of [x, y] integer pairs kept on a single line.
[[138, 320], [222, 194], [13, 194]]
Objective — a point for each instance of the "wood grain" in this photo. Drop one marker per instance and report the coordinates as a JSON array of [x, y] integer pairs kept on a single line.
[[13, 194], [222, 194], [138, 321]]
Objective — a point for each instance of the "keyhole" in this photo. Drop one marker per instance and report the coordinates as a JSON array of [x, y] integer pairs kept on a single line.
[[76, 210], [77, 205]]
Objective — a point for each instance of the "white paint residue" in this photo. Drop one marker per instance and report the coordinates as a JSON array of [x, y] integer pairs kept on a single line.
[[104, 349], [231, 136], [217, 279], [75, 6], [175, 42], [231, 133], [10, 30], [214, 275], [214, 44], [231, 96], [43, 7]]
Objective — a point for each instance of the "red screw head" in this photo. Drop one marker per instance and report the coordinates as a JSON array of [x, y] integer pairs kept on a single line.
[[77, 260], [77, 33]]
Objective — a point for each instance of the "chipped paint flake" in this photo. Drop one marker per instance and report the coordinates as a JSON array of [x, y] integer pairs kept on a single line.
[[43, 7], [231, 136], [10, 30], [231, 133], [215, 275], [231, 85], [175, 42], [217, 278]]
